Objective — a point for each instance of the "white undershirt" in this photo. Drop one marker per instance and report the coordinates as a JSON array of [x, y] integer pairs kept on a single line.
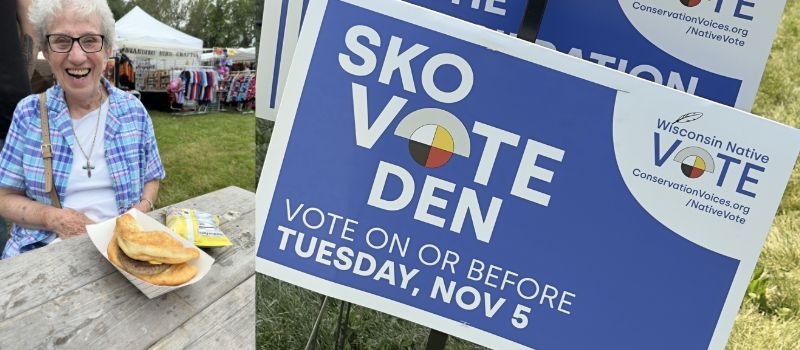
[[92, 196]]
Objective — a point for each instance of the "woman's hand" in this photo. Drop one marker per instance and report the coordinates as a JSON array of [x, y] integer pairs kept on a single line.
[[142, 206], [67, 223]]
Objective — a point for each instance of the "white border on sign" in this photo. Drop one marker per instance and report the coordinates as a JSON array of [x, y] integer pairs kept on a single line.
[[266, 57], [492, 41], [280, 134], [268, 50]]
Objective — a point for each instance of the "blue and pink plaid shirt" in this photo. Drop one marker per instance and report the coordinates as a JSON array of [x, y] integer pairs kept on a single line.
[[131, 155]]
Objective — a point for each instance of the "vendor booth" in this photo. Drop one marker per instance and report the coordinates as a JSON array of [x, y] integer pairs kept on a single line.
[[155, 45], [236, 69], [150, 54], [167, 68]]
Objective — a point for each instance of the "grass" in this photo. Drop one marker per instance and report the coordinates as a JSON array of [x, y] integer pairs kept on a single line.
[[779, 94], [768, 319], [770, 316], [285, 316], [203, 153], [263, 136], [754, 330]]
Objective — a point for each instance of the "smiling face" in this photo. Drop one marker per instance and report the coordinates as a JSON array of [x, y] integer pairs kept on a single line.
[[77, 72]]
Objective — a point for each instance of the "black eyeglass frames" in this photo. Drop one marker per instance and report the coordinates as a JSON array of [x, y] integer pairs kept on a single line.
[[89, 43]]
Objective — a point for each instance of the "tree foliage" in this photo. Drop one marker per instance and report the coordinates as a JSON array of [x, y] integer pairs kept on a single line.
[[220, 23], [119, 8]]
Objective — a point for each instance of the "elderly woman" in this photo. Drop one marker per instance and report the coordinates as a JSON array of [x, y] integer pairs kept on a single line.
[[104, 155]]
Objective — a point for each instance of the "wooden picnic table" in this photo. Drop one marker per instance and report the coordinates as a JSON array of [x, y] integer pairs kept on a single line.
[[67, 295]]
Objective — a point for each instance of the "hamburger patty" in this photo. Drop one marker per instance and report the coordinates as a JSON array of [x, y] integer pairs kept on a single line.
[[139, 267]]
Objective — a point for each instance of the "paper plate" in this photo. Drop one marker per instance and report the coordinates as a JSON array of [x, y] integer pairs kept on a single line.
[[101, 234]]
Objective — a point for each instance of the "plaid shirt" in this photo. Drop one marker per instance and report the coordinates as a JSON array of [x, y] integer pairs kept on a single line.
[[131, 155]]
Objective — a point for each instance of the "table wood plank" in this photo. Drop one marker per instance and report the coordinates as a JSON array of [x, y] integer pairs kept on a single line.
[[240, 333], [227, 324], [112, 313], [35, 277], [107, 311]]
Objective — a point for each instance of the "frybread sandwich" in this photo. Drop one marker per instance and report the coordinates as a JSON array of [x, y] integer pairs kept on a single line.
[[152, 256]]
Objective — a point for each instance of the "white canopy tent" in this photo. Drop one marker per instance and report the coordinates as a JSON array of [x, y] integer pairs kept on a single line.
[[139, 29], [152, 44]]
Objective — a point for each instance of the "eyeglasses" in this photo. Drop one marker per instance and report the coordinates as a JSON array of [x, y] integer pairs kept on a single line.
[[89, 43]]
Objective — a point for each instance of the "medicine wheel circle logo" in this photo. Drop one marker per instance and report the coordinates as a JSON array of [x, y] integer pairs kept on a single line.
[[693, 167], [434, 136], [690, 3], [431, 146], [694, 161]]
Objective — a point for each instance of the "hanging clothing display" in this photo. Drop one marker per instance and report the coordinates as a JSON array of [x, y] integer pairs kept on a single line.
[[126, 76], [199, 85], [241, 87]]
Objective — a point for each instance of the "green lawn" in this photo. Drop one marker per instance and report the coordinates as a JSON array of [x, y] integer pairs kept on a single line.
[[770, 313], [203, 153]]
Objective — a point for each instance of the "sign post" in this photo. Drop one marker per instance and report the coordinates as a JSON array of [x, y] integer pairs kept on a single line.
[[532, 20], [436, 340], [508, 194]]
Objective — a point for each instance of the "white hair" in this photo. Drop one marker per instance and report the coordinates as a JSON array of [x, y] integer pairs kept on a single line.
[[42, 13]]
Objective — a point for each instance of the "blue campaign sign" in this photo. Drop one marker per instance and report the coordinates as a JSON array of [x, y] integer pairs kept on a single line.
[[283, 20], [503, 15], [508, 194], [715, 49]]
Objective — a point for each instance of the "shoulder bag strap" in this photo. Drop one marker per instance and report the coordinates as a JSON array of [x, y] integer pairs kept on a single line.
[[47, 153]]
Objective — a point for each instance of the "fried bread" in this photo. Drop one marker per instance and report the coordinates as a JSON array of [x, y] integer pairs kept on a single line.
[[170, 275], [152, 256], [150, 245]]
